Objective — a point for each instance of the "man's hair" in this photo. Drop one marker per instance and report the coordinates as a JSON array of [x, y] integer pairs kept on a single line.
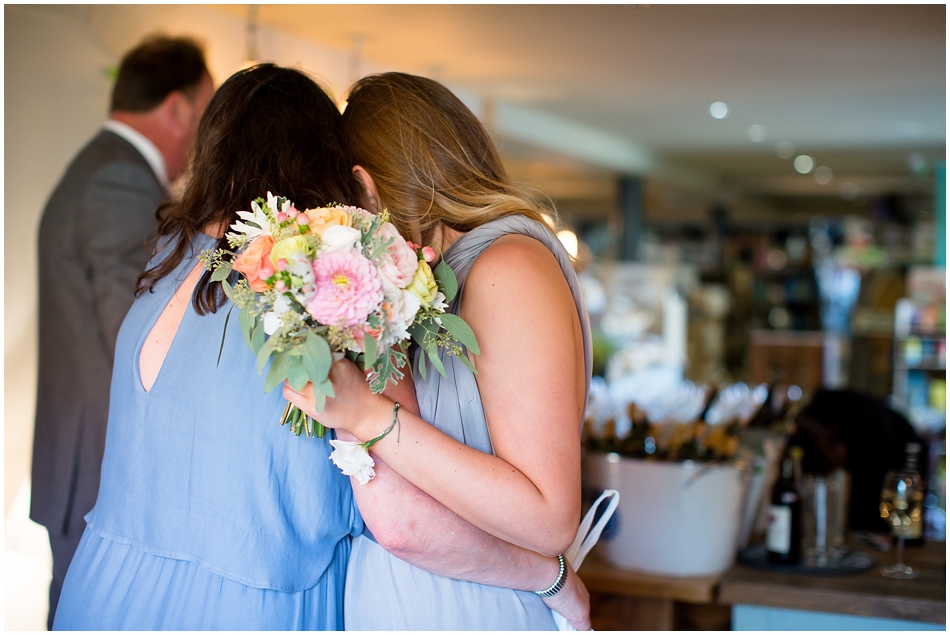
[[159, 65]]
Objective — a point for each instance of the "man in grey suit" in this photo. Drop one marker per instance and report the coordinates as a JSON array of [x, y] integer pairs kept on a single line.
[[92, 247]]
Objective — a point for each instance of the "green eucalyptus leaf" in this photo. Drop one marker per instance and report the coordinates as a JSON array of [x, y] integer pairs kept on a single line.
[[446, 279], [257, 336], [433, 353], [221, 272], [297, 374], [228, 290], [246, 320], [317, 358], [461, 331], [468, 363], [279, 367], [327, 389], [264, 354], [224, 334], [369, 351], [421, 365]]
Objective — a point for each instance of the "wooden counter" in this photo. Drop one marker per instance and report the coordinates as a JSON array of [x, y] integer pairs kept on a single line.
[[868, 594], [625, 600]]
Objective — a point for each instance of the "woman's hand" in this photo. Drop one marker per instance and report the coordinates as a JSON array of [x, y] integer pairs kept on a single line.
[[573, 602], [354, 408]]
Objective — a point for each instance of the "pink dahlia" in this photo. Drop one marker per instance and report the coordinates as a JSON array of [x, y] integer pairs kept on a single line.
[[348, 289]]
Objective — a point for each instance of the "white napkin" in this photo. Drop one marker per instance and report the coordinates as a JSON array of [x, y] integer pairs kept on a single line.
[[586, 538]]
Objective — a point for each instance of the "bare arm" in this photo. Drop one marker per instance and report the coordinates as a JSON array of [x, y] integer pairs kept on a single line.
[[528, 493], [416, 528]]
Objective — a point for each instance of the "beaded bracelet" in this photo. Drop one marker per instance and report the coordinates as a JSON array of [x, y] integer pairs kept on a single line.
[[555, 588]]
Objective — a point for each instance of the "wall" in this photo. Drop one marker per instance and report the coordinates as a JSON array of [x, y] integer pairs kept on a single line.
[[56, 60]]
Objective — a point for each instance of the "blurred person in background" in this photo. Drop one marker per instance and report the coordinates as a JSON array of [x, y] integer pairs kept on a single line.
[[92, 248]]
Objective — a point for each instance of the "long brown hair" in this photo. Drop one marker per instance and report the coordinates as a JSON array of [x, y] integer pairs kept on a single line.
[[267, 128], [430, 158]]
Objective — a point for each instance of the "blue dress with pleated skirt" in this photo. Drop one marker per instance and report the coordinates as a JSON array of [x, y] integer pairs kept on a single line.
[[210, 515], [386, 593]]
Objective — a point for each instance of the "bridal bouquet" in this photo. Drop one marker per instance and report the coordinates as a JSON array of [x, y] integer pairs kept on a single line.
[[322, 283]]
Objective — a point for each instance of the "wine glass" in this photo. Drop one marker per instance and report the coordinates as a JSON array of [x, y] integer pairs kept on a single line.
[[902, 508]]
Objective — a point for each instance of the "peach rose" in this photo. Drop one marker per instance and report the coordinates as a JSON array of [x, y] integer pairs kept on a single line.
[[322, 218], [253, 259]]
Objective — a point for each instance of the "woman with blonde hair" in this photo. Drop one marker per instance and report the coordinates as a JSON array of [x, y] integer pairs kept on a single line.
[[490, 462]]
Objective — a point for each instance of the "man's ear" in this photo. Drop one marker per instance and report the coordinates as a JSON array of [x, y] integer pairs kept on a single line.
[[371, 198], [178, 111]]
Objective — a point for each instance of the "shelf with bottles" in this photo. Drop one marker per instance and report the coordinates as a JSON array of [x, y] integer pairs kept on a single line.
[[920, 362]]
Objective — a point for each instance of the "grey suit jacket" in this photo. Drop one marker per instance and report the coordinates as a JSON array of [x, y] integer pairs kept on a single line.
[[92, 247]]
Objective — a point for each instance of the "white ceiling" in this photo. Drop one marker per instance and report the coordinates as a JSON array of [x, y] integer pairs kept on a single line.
[[860, 87]]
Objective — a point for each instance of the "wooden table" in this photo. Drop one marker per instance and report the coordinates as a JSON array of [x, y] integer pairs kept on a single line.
[[868, 594], [624, 600]]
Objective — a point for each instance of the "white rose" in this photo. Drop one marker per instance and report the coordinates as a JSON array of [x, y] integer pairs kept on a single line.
[[340, 238], [272, 319], [353, 460]]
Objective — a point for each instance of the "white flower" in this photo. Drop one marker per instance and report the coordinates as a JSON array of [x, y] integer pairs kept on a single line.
[[403, 311], [272, 204], [272, 319], [340, 238], [256, 216], [353, 460], [300, 266], [439, 302]]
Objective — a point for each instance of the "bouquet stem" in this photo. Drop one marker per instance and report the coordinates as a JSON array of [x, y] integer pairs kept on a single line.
[[301, 422]]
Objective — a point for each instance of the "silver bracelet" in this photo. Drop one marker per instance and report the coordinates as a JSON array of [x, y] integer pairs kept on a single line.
[[555, 588]]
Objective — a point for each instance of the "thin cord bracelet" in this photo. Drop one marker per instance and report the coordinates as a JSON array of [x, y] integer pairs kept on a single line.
[[392, 425]]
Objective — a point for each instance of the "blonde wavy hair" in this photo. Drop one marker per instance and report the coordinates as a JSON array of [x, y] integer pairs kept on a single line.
[[430, 158]]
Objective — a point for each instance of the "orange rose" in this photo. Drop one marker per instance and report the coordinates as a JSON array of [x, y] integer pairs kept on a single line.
[[322, 218], [253, 259]]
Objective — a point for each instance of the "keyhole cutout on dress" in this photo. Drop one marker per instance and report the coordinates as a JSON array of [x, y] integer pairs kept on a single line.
[[160, 338]]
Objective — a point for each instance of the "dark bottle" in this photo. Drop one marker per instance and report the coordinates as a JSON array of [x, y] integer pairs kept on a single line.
[[783, 540]]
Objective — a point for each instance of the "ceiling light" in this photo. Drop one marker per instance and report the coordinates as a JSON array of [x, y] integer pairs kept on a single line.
[[718, 110], [756, 133], [785, 149], [823, 175], [569, 240], [804, 164]]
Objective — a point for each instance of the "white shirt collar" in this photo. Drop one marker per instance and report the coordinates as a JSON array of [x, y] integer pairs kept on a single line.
[[145, 147]]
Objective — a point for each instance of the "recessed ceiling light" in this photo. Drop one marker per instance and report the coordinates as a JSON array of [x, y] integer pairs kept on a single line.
[[823, 175], [756, 133], [785, 149], [718, 110], [804, 164]]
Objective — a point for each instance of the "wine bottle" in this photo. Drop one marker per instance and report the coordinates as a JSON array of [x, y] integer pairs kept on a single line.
[[783, 541]]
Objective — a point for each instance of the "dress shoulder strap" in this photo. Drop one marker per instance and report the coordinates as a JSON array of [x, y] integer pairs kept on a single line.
[[463, 253]]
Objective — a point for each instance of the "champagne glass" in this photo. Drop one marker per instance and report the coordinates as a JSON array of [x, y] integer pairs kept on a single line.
[[902, 508]]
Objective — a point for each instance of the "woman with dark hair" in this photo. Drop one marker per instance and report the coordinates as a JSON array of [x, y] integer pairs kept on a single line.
[[499, 451], [209, 515]]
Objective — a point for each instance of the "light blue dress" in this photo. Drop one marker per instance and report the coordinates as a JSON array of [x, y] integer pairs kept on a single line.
[[386, 593], [210, 515]]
